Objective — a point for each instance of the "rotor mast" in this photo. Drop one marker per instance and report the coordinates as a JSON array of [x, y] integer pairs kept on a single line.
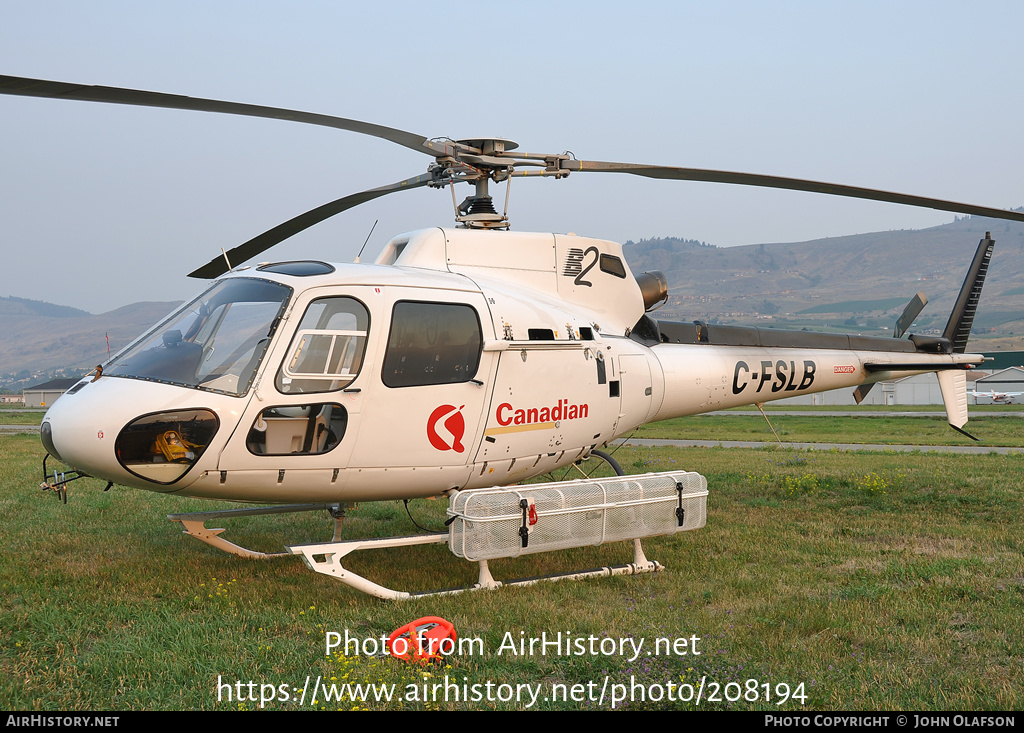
[[480, 161]]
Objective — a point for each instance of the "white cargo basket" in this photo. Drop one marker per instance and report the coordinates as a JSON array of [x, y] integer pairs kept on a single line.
[[489, 523]]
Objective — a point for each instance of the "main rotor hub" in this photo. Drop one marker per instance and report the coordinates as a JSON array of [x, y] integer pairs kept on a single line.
[[490, 145], [478, 161]]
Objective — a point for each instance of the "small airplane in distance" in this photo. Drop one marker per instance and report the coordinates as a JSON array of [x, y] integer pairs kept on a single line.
[[998, 398]]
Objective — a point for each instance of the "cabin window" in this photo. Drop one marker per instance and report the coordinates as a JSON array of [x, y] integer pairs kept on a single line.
[[328, 347], [297, 430], [432, 343], [298, 268], [162, 447]]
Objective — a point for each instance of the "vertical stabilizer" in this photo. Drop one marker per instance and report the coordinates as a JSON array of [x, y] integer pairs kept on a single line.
[[958, 329]]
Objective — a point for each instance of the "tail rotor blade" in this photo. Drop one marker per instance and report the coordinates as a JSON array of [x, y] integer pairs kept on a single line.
[[862, 391], [910, 313]]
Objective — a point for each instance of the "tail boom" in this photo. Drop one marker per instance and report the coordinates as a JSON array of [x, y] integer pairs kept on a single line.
[[706, 377]]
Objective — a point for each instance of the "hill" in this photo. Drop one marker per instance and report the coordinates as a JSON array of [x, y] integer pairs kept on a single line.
[[43, 340], [12, 306], [858, 283]]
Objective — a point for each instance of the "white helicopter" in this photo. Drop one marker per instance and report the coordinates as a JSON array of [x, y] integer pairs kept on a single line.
[[462, 360]]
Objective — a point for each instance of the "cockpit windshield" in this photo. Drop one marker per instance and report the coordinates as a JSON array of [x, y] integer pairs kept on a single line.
[[214, 343]]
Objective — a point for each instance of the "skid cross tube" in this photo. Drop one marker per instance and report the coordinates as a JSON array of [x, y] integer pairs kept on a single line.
[[326, 558]]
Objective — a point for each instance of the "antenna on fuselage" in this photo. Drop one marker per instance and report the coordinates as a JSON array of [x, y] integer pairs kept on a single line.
[[367, 240], [760, 406]]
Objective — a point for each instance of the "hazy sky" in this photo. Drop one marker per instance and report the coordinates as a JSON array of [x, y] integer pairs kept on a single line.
[[102, 205]]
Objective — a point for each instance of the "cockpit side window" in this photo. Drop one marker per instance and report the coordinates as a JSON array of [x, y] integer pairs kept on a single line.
[[328, 348], [432, 343]]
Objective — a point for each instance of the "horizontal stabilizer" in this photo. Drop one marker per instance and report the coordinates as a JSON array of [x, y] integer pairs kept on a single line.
[[916, 367]]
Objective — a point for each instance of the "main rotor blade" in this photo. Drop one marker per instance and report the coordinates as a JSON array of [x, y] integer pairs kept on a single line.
[[262, 242], [24, 87], [794, 184]]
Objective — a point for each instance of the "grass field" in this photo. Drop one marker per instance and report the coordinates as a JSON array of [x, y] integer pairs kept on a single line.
[[833, 581], [12, 417]]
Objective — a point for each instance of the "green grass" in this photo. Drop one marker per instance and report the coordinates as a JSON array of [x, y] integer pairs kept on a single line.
[[9, 417], [877, 581]]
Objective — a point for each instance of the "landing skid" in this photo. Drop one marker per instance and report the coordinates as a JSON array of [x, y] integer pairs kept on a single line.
[[506, 522], [195, 525], [326, 559]]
